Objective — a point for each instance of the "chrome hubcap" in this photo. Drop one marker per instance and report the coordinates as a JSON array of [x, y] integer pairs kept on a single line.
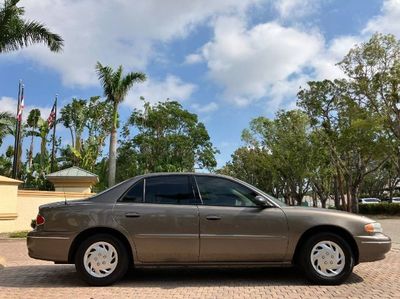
[[100, 259], [327, 258]]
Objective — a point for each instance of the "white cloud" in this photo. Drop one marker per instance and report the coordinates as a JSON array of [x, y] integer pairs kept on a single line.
[[205, 108], [8, 104], [325, 62], [387, 21], [115, 32], [295, 8], [251, 63], [193, 58], [154, 91]]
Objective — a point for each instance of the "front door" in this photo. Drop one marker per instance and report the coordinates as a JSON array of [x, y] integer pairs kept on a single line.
[[233, 228], [162, 217]]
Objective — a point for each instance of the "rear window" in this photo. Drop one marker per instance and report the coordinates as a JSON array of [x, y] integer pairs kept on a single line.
[[135, 194]]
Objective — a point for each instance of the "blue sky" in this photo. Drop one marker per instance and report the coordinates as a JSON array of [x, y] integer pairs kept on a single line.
[[228, 61]]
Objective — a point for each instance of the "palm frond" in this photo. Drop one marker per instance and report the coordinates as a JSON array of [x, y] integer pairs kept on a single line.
[[128, 81], [16, 33], [105, 74]]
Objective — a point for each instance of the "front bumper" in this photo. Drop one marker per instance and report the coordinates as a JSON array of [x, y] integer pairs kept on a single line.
[[49, 246], [373, 248]]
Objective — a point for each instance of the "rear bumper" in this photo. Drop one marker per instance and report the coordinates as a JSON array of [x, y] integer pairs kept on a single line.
[[373, 248], [49, 246]]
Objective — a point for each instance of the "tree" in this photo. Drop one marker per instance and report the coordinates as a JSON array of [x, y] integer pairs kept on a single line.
[[73, 117], [44, 130], [16, 33], [373, 69], [352, 132], [254, 165], [168, 138], [322, 171], [6, 162], [116, 87], [86, 117], [32, 123], [277, 156], [7, 125]]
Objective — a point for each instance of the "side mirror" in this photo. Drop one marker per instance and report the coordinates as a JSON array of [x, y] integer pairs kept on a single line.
[[262, 201]]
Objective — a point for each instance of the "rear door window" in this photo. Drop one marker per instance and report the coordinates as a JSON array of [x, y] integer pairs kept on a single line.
[[175, 190], [135, 194]]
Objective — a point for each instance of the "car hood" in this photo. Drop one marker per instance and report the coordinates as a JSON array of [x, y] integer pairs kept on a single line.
[[329, 213]]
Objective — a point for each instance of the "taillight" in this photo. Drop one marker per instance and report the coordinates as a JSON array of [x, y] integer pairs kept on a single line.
[[39, 219]]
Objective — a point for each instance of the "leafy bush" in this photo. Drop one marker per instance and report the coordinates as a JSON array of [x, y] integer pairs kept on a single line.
[[383, 208]]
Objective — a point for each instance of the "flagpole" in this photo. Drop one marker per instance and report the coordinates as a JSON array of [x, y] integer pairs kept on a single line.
[[16, 139], [54, 135]]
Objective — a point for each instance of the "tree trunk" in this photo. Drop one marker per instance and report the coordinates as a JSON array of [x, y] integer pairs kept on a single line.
[[42, 151], [30, 155], [337, 198], [354, 200], [112, 154], [315, 201]]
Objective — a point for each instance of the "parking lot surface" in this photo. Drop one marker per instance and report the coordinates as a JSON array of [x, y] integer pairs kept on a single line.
[[23, 277]]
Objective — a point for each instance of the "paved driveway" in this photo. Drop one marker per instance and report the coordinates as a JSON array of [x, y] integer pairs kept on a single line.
[[27, 278]]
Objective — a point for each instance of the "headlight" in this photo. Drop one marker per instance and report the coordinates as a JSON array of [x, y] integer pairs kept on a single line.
[[373, 227]]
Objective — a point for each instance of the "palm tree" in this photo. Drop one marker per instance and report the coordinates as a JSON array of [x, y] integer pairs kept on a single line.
[[115, 86], [44, 130], [32, 123], [7, 124], [16, 33]]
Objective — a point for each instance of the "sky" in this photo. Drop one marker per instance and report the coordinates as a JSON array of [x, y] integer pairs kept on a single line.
[[228, 61]]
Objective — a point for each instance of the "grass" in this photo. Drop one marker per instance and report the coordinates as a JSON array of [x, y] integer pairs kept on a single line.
[[19, 234]]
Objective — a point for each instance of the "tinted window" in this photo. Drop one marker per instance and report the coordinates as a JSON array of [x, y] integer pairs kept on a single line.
[[135, 194], [222, 192], [170, 190]]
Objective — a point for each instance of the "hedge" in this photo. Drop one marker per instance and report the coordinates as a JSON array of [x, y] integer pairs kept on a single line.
[[383, 208]]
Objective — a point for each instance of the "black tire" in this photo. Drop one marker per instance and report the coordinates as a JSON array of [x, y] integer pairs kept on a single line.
[[122, 263], [308, 268]]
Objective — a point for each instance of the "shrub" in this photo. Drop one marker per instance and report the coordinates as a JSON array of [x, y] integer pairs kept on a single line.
[[383, 208]]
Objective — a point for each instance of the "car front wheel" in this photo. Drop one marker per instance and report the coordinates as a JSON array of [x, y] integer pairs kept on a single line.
[[101, 260], [327, 258]]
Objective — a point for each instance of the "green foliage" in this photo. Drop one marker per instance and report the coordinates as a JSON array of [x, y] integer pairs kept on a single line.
[[17, 33], [383, 208], [7, 125], [18, 234], [91, 118], [277, 157], [168, 138], [346, 141]]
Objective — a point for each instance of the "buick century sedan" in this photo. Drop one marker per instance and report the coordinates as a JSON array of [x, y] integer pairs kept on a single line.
[[190, 219]]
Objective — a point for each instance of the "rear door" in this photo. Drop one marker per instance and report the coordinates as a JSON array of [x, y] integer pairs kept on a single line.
[[233, 228], [162, 217]]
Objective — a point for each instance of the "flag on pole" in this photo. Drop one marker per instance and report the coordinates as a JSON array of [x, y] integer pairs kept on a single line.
[[21, 105], [52, 117]]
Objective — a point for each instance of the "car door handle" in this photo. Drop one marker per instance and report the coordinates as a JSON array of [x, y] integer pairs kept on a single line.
[[132, 215], [213, 217]]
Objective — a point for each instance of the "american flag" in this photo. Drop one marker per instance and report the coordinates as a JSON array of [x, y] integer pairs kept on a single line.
[[52, 117], [21, 106]]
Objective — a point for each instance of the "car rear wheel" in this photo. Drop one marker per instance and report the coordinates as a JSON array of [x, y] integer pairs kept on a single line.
[[327, 258], [101, 260]]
